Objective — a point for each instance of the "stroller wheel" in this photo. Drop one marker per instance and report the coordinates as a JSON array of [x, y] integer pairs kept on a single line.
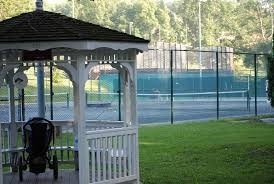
[[55, 167], [20, 167]]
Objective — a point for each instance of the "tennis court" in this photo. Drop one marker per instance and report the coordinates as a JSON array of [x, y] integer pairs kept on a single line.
[[156, 108]]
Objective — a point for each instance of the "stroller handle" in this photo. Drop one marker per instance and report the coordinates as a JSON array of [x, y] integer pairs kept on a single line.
[[38, 119]]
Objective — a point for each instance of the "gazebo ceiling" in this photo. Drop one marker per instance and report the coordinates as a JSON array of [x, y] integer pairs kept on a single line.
[[52, 30]]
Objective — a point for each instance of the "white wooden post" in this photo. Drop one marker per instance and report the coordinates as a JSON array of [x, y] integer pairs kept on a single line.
[[13, 129], [133, 95], [80, 119], [126, 97], [75, 126], [133, 99], [130, 105]]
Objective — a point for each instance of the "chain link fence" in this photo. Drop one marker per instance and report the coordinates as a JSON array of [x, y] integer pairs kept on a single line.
[[174, 83]]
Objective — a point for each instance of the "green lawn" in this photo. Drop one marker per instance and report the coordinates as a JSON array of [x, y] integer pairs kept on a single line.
[[226, 151], [60, 89]]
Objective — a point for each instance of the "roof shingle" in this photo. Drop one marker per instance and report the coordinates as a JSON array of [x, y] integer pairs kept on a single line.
[[48, 26]]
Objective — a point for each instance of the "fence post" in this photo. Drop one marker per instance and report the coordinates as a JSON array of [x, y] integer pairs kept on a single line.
[[51, 91], [23, 109], [171, 85], [21, 104], [248, 100], [19, 107], [217, 85], [119, 96], [67, 100], [99, 88], [255, 83], [86, 99], [248, 93]]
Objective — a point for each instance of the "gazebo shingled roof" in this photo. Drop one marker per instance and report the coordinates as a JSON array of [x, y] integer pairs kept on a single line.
[[48, 26]]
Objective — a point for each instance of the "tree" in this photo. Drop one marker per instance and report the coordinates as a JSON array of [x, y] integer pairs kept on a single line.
[[254, 28], [244, 25], [10, 8]]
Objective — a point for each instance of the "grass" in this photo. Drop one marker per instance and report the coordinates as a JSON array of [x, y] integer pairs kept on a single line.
[[228, 151], [63, 85]]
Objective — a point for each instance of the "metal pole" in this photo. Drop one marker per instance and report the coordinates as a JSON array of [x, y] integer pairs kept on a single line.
[[40, 90], [119, 96], [248, 83], [200, 44], [19, 111], [255, 82], [86, 98], [272, 24], [68, 100], [164, 58], [73, 7], [130, 27], [68, 94], [51, 91], [217, 85], [171, 85], [248, 93], [187, 60], [40, 77], [23, 109], [99, 88]]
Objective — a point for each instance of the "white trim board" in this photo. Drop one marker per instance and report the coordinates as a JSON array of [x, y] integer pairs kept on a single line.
[[73, 44]]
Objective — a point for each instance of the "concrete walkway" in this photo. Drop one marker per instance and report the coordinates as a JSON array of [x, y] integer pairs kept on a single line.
[[268, 120]]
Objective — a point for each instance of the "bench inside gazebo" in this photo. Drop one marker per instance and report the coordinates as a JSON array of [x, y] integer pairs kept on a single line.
[[103, 151]]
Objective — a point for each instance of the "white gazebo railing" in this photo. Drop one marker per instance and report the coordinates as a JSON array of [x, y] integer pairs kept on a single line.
[[112, 149], [64, 146], [113, 155]]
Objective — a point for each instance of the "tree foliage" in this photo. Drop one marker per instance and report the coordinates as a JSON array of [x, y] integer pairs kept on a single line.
[[11, 8], [242, 24]]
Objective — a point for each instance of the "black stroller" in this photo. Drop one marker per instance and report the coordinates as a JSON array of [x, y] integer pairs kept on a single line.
[[37, 135]]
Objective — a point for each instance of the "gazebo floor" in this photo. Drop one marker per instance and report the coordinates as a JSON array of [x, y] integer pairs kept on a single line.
[[65, 176]]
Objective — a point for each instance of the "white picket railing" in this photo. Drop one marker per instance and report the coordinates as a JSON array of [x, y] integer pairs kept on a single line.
[[113, 155], [113, 151], [65, 145]]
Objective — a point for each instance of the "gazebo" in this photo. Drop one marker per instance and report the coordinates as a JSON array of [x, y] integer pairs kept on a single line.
[[108, 152]]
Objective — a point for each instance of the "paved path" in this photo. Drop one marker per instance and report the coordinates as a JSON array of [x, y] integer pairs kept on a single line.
[[268, 120], [154, 111]]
